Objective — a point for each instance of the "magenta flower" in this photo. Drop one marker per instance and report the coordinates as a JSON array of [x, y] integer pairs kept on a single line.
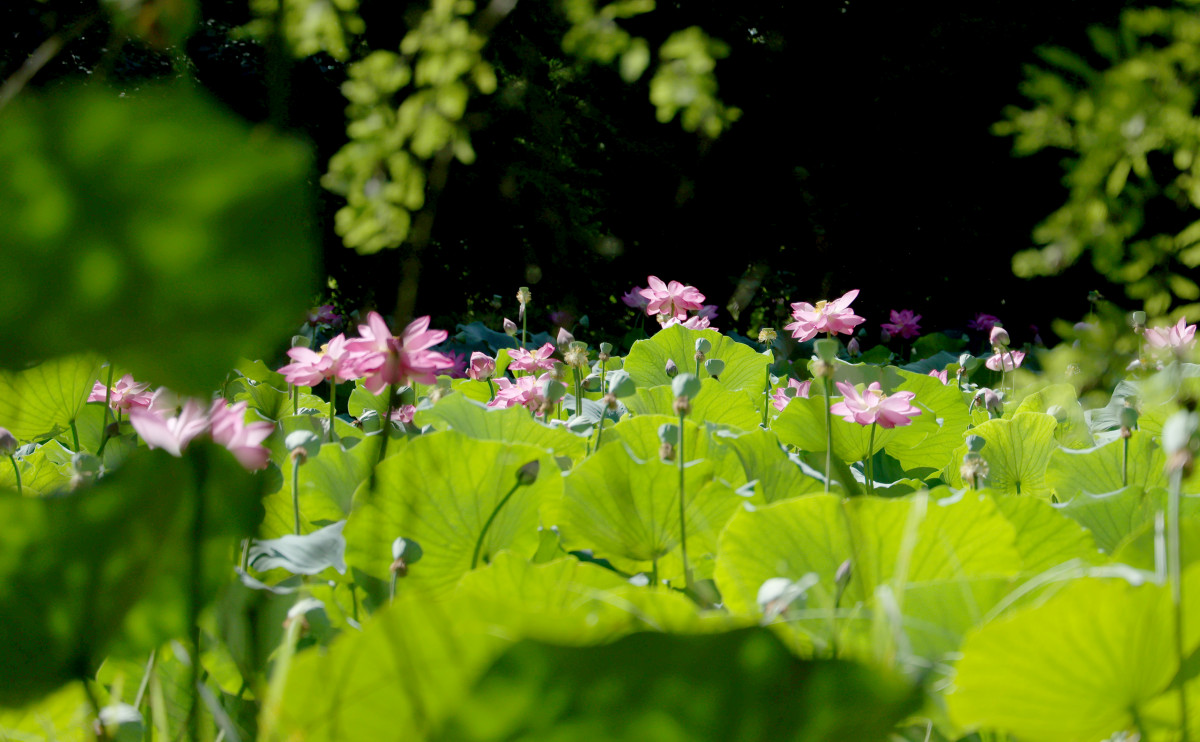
[[708, 311], [310, 367], [634, 299], [244, 441], [532, 360], [526, 390], [942, 376], [172, 433], [873, 406], [983, 322], [126, 393], [458, 365], [381, 359], [324, 315], [699, 322], [482, 368], [827, 316], [672, 299], [1178, 337], [1006, 360], [903, 324], [403, 414], [562, 318], [780, 396]]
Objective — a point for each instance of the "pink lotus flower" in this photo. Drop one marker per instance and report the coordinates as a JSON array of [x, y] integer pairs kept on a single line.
[[903, 324], [634, 299], [310, 367], [1178, 337], [873, 406], [1007, 360], [698, 322], [827, 316], [482, 368], [532, 360], [172, 433], [562, 318], [780, 397], [458, 365], [708, 311], [381, 359], [126, 393], [403, 414], [244, 441], [983, 322], [673, 299], [942, 376], [526, 390]]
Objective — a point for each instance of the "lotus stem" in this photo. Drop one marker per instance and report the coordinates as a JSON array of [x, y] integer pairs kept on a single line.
[[107, 410], [332, 407], [16, 471], [1175, 577], [687, 570], [486, 526], [869, 461], [828, 436], [296, 488]]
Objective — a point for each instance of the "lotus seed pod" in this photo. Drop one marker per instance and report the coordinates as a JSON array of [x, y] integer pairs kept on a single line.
[[767, 335], [974, 469], [306, 440], [621, 384], [702, 345], [668, 433], [408, 549], [827, 349], [714, 366], [682, 406], [523, 295], [85, 463], [685, 385], [591, 383], [990, 401], [1129, 419], [553, 390], [8, 442], [606, 348], [1137, 320]]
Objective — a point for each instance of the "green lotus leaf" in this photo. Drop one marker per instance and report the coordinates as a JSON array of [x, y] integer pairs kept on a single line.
[[440, 490], [1072, 430], [471, 389], [802, 424], [47, 398], [93, 222], [709, 687], [715, 404], [1139, 548], [1017, 452], [40, 474], [63, 715], [327, 483], [647, 359], [1079, 666], [623, 500], [1045, 536], [1113, 517], [1094, 471], [900, 543], [930, 441], [777, 477], [514, 425], [398, 678]]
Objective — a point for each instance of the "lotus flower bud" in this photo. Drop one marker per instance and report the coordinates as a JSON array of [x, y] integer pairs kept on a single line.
[[671, 369], [510, 327], [885, 336], [8, 443], [685, 385], [999, 337], [714, 366], [702, 345], [482, 368], [990, 401], [564, 337], [853, 348], [528, 473], [621, 384], [767, 335], [842, 576]]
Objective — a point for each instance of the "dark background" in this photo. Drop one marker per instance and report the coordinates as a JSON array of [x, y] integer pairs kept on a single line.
[[863, 159]]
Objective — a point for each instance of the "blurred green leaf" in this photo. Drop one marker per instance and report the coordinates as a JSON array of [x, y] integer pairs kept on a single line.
[[48, 397], [152, 219]]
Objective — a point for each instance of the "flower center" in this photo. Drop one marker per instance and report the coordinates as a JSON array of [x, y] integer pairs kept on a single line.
[[820, 307]]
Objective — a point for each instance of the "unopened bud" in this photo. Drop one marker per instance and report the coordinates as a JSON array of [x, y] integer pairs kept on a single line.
[[564, 337], [528, 474], [989, 400], [853, 348], [8, 442], [510, 327], [999, 337], [671, 369], [885, 336], [482, 367], [842, 576]]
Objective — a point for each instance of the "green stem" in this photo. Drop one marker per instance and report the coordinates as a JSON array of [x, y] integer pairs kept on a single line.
[[392, 591], [1174, 576], [524, 321], [869, 463], [766, 397], [491, 391], [687, 570], [385, 428], [16, 471], [600, 429], [296, 491], [75, 435], [1124, 461], [332, 406], [295, 399], [488, 524], [107, 410], [828, 436], [578, 392]]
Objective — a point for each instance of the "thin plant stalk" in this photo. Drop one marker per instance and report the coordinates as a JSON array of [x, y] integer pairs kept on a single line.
[[1175, 577], [491, 391], [600, 428], [766, 397], [107, 410], [332, 406], [869, 462], [1124, 461], [687, 570], [74, 435], [16, 471], [828, 436], [296, 489], [488, 524]]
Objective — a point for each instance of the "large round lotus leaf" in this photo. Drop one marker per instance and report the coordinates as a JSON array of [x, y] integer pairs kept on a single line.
[[623, 501], [1079, 667], [802, 424], [47, 397], [930, 440], [158, 206], [440, 490], [513, 425], [1072, 430], [777, 477], [647, 359], [903, 543], [1095, 471], [1045, 536], [1017, 452], [715, 404]]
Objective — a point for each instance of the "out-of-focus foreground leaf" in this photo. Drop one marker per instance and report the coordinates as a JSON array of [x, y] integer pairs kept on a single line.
[[155, 228]]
